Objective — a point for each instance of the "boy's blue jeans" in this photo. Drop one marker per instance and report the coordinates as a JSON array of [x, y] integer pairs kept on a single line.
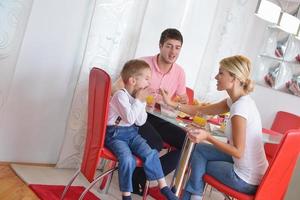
[[126, 141], [207, 159]]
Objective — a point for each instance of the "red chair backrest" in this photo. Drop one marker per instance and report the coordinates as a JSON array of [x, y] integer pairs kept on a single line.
[[283, 122], [276, 179], [98, 101], [190, 94]]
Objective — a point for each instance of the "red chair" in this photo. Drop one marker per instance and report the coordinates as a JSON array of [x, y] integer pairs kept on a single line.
[[94, 151], [98, 100], [283, 122], [190, 94], [277, 177]]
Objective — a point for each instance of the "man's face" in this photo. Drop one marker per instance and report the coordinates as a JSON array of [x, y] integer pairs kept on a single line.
[[169, 51]]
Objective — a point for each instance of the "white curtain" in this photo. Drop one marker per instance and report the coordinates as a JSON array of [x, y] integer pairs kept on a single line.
[[112, 40], [229, 36], [13, 19]]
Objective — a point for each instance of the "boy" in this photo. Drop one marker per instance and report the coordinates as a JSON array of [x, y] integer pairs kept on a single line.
[[127, 111]]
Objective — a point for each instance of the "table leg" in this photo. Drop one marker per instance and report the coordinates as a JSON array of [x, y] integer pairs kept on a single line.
[[177, 182]]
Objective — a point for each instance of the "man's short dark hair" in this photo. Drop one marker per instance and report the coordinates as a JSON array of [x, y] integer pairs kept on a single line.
[[170, 33]]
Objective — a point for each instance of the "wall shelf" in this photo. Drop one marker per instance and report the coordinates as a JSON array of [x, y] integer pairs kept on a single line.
[[278, 64]]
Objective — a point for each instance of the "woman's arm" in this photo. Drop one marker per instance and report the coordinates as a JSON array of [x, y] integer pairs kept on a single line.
[[211, 109], [238, 136]]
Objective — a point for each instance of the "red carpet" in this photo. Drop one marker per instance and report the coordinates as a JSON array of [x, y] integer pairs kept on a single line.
[[53, 192], [154, 192]]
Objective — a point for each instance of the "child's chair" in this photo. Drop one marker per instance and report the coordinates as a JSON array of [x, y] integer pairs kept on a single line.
[[98, 101]]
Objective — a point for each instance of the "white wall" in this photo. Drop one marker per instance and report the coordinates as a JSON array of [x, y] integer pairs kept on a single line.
[[34, 117]]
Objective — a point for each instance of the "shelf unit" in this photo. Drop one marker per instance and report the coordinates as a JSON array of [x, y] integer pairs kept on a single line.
[[278, 64]]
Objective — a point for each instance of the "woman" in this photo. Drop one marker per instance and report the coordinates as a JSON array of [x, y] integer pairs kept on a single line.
[[241, 162]]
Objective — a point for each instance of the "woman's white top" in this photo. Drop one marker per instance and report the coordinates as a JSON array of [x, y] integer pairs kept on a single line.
[[253, 163], [131, 110]]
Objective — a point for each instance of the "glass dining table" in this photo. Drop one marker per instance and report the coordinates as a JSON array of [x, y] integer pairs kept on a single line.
[[180, 175]]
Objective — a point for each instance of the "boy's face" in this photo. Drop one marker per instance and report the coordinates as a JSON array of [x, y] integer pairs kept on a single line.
[[143, 79], [169, 51]]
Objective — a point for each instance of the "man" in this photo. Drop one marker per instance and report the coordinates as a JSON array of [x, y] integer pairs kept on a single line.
[[167, 75]]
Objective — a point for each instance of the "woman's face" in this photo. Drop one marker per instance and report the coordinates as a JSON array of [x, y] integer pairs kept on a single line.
[[224, 80]]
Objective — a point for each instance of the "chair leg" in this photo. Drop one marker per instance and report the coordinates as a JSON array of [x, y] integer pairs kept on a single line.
[[146, 190], [106, 181], [69, 184], [95, 181]]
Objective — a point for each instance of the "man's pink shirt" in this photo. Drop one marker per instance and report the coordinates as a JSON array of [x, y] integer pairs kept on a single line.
[[172, 81]]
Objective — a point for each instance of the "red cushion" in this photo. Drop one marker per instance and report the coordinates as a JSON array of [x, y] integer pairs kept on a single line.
[[53, 192], [154, 192], [227, 190]]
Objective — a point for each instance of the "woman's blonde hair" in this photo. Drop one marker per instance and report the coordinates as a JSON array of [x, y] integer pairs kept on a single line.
[[239, 67]]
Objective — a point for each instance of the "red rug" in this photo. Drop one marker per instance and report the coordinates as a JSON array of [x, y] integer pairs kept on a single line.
[[53, 192], [154, 192]]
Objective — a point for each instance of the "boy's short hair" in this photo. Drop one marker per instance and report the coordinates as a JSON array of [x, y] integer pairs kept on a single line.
[[170, 33], [133, 68]]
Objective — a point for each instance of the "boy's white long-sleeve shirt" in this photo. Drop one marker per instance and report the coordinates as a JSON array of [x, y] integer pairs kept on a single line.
[[131, 110]]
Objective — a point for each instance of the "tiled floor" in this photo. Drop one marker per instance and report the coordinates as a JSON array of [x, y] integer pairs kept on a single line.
[[51, 175]]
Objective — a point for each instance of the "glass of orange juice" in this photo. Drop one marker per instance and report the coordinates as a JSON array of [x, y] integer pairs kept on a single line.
[[200, 120], [150, 100]]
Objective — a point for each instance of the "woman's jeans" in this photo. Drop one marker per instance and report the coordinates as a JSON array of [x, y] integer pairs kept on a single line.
[[124, 142], [208, 159]]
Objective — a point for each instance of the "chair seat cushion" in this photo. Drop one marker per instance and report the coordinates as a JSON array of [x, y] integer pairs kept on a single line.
[[225, 189], [107, 154]]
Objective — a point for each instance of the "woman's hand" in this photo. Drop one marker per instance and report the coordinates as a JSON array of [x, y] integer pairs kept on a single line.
[[196, 135]]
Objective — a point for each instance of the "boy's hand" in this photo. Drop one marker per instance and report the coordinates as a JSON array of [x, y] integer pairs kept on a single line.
[[142, 94]]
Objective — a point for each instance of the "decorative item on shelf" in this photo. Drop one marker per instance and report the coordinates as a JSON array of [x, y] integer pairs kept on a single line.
[[273, 73], [268, 11], [279, 50], [298, 58], [294, 85], [278, 75]]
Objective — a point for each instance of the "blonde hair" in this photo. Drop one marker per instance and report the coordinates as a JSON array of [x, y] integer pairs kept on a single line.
[[239, 67], [133, 68]]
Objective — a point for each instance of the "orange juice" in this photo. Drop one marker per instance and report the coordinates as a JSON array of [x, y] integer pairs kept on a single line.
[[201, 121], [150, 100]]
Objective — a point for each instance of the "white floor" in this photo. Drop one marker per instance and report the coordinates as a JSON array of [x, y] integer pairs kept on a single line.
[[54, 176]]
